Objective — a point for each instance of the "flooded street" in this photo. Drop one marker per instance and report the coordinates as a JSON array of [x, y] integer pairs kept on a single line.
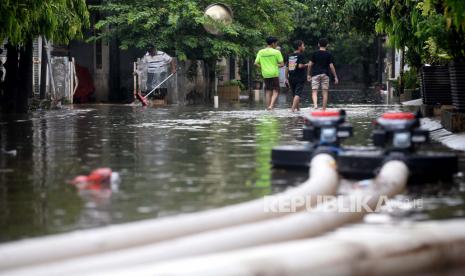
[[170, 160]]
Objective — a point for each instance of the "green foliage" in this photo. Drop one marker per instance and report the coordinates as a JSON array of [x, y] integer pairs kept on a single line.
[[177, 26], [360, 16], [58, 20], [454, 11], [432, 31], [399, 20], [434, 54], [321, 18], [410, 78], [354, 49], [349, 25], [335, 20], [234, 83]]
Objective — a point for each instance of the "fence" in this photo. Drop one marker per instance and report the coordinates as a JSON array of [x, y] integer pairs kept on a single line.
[[64, 81]]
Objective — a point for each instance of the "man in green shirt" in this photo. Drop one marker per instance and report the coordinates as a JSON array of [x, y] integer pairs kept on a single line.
[[269, 60]]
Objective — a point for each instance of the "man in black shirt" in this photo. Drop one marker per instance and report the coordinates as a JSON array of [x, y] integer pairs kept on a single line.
[[318, 72], [296, 67]]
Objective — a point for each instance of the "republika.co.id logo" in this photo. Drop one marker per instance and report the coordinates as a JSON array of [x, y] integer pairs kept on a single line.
[[341, 204]]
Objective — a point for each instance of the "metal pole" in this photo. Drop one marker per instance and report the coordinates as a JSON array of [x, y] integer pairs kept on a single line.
[[215, 98], [49, 65]]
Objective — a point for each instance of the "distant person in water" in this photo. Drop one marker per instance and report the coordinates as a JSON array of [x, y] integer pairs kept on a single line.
[[269, 60], [296, 71], [321, 63], [157, 69]]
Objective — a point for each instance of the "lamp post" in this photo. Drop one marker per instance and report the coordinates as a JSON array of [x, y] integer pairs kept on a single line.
[[220, 13]]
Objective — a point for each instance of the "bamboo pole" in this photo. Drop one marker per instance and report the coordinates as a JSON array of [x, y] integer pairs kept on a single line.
[[327, 216], [323, 181]]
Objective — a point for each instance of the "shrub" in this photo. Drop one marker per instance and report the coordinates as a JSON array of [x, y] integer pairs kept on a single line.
[[234, 83]]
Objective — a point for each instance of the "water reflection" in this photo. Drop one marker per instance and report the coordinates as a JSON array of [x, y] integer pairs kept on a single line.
[[267, 135], [171, 160]]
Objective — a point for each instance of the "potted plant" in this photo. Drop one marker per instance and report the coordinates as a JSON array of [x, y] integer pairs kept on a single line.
[[410, 81], [454, 13], [457, 67], [435, 85], [434, 73], [230, 90]]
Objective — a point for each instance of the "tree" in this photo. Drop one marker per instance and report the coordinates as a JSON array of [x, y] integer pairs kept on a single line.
[[176, 26], [22, 21], [358, 29], [397, 19], [454, 13], [348, 24], [430, 30], [322, 18]]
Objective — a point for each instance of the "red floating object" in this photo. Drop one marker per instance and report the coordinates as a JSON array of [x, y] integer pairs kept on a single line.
[[96, 180]]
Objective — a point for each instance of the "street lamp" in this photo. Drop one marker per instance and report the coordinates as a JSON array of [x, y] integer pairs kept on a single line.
[[218, 12]]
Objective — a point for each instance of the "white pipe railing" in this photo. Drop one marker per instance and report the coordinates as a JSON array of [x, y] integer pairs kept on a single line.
[[323, 181]]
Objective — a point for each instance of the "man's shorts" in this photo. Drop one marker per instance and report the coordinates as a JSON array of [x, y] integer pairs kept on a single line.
[[297, 88], [272, 84], [322, 79]]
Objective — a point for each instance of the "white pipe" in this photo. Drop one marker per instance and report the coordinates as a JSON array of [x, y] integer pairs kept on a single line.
[[323, 181], [257, 95], [358, 250], [329, 215], [216, 101], [215, 88]]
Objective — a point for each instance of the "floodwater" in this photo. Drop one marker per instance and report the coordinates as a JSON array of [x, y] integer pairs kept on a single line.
[[170, 160]]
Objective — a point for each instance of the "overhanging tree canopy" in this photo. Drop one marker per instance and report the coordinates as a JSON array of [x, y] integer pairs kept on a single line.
[[20, 22], [57, 20], [428, 29], [177, 25]]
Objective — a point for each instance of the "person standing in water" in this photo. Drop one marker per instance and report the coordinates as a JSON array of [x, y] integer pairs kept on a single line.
[[296, 68], [269, 60], [320, 64], [156, 62]]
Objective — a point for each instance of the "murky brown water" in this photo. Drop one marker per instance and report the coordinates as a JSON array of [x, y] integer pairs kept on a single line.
[[171, 160]]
